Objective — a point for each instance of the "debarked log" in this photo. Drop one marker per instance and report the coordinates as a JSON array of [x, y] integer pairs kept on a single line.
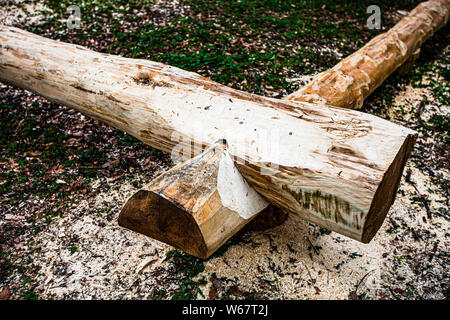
[[354, 78], [335, 167]]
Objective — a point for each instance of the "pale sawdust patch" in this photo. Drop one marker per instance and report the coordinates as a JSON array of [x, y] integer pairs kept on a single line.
[[301, 80], [21, 12], [107, 258], [281, 264], [409, 101], [278, 263]]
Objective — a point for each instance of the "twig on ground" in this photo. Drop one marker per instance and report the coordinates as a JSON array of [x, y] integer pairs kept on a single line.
[[393, 294], [362, 279], [314, 248], [425, 201]]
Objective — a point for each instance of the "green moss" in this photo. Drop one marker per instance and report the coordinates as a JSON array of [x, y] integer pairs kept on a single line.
[[188, 267]]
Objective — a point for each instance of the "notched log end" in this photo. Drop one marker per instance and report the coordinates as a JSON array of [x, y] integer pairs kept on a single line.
[[151, 214], [154, 216], [387, 190]]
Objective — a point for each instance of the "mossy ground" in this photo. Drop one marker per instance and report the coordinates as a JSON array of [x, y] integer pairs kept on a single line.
[[50, 155]]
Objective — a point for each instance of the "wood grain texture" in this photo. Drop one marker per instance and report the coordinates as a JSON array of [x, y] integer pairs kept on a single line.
[[323, 163], [350, 82]]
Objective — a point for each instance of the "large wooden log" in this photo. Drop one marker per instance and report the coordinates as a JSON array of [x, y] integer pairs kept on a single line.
[[349, 82], [334, 167], [320, 89]]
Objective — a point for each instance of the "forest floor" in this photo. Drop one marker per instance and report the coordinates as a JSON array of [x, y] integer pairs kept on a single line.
[[64, 177]]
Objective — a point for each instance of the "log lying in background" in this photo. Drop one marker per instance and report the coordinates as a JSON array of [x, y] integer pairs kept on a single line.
[[348, 94], [357, 76], [334, 167]]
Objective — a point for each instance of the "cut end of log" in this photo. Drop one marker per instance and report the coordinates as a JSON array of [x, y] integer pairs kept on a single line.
[[152, 215], [387, 191], [148, 213]]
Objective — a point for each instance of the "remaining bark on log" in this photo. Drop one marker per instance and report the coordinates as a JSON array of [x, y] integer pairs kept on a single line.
[[357, 76], [337, 168], [272, 215], [408, 65]]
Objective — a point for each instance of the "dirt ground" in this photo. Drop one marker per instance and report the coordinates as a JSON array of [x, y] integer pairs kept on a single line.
[[82, 253]]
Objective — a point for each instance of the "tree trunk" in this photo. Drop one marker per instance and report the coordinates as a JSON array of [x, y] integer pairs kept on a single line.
[[357, 76], [334, 167]]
